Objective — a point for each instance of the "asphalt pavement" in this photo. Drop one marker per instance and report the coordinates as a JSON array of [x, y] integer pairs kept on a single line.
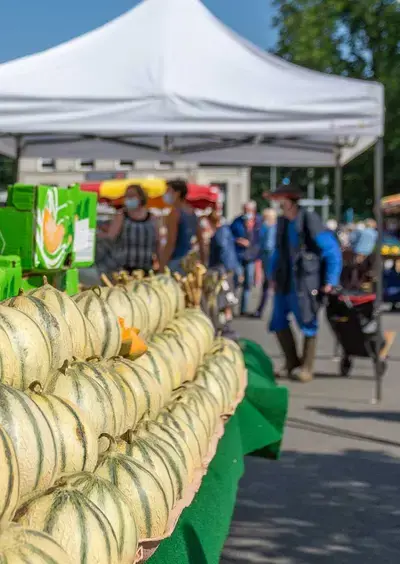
[[334, 496]]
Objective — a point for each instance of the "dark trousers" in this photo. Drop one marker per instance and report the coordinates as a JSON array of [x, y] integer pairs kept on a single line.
[[264, 297]]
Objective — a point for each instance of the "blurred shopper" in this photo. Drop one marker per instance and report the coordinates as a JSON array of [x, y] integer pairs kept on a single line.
[[223, 259], [182, 226], [133, 232], [332, 225], [246, 232], [363, 240], [344, 234], [222, 246], [305, 265], [267, 246]]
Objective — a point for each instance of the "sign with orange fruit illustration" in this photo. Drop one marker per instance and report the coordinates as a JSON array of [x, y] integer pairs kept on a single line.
[[54, 216]]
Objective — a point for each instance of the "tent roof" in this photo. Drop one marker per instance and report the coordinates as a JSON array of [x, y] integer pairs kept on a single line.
[[168, 81]]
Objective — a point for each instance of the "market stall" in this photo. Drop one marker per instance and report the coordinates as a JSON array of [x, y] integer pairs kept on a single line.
[[222, 101], [135, 418]]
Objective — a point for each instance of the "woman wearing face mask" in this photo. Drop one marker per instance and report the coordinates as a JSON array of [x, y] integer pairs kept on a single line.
[[306, 264], [182, 227], [134, 232]]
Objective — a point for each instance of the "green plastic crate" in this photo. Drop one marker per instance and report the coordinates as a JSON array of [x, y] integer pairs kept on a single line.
[[48, 227]]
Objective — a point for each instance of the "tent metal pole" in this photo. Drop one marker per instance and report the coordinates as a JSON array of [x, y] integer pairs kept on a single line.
[[378, 189], [338, 188], [273, 184]]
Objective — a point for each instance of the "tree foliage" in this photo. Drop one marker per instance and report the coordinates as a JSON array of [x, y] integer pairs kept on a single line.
[[358, 39], [6, 172]]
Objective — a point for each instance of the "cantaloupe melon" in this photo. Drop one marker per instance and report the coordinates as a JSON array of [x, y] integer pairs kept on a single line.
[[75, 383], [19, 545], [100, 314], [143, 490], [232, 351], [122, 397], [176, 351], [9, 479], [81, 529], [159, 364], [145, 387], [152, 301], [33, 441], [127, 306], [115, 506], [182, 412], [30, 347], [77, 441], [61, 304], [54, 326], [218, 376], [201, 401], [197, 444], [152, 458], [93, 342], [155, 429]]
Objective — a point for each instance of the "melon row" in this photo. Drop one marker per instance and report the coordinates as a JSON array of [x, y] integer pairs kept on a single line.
[[136, 482], [39, 331], [43, 328], [97, 451], [223, 373]]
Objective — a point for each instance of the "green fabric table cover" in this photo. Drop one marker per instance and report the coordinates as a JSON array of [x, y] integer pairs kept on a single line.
[[256, 428]]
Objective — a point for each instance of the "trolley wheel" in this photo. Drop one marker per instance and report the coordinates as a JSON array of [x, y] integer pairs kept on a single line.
[[345, 366]]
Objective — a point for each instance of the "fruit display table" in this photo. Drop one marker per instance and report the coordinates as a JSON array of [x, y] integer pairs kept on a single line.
[[256, 428]]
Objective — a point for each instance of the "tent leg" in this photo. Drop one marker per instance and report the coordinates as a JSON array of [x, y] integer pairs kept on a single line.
[[338, 189], [273, 184], [378, 188]]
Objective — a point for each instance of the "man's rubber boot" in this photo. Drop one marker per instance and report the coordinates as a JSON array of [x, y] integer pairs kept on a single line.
[[288, 346], [306, 372]]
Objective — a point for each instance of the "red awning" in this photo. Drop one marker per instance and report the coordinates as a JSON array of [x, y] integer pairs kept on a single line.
[[209, 193], [202, 197]]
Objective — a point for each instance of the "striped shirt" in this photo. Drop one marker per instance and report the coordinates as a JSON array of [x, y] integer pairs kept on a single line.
[[132, 250], [137, 243]]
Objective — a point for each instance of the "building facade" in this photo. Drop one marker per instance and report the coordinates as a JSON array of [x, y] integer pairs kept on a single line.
[[233, 181]]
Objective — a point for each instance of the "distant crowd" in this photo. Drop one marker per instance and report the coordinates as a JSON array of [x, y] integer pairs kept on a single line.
[[285, 248]]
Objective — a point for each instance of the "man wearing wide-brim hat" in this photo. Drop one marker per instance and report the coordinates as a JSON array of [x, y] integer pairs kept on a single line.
[[306, 264]]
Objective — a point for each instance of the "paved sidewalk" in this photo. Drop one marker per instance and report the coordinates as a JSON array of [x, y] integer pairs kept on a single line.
[[334, 497]]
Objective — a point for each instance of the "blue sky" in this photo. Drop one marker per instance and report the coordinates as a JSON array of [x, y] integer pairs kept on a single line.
[[44, 23]]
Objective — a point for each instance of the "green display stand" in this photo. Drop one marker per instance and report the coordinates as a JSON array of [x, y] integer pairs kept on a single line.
[[10, 276], [66, 280], [49, 227], [256, 428]]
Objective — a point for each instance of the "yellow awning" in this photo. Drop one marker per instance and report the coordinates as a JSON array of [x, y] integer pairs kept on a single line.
[[115, 189]]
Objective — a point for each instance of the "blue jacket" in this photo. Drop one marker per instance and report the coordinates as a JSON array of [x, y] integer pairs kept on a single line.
[[330, 253], [267, 238], [239, 230], [363, 241], [306, 257], [223, 252], [267, 245]]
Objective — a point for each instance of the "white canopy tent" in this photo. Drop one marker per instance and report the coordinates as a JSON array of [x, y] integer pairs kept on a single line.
[[168, 81]]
